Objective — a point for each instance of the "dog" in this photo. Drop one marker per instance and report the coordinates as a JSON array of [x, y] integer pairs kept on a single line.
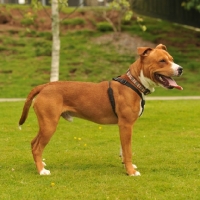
[[119, 101]]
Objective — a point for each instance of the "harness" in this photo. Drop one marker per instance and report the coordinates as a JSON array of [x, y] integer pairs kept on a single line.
[[137, 87]]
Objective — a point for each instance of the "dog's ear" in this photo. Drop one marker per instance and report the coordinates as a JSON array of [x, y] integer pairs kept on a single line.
[[161, 46], [143, 51]]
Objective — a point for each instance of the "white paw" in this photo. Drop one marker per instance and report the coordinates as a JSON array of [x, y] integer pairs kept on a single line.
[[134, 166], [45, 172], [136, 174]]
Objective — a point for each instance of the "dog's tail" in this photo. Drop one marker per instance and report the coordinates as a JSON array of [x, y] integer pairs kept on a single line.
[[28, 103]]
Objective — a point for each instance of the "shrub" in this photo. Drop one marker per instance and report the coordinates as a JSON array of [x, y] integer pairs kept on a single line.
[[73, 22], [104, 26], [29, 19], [27, 22]]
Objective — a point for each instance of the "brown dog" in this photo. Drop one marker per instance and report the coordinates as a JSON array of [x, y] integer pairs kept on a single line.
[[120, 101]]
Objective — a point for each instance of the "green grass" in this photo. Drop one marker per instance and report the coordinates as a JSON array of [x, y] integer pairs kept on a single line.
[[73, 22], [165, 148], [104, 27]]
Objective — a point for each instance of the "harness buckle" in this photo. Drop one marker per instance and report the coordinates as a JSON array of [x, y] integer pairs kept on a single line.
[[146, 92]]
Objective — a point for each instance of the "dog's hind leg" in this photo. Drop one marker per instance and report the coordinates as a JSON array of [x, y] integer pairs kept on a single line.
[[38, 144]]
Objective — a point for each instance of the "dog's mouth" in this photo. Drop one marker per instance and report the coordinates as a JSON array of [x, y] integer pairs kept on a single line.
[[167, 82]]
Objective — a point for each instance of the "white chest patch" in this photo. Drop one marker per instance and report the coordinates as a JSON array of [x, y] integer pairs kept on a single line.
[[147, 82], [141, 108]]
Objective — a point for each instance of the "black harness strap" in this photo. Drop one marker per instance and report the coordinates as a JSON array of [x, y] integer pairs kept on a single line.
[[126, 83], [111, 98]]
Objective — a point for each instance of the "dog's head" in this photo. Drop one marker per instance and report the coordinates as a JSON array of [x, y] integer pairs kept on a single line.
[[158, 67]]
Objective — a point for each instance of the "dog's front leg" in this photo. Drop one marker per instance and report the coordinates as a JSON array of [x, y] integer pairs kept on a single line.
[[125, 137]]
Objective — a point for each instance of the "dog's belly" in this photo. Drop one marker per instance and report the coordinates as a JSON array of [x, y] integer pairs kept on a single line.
[[101, 119]]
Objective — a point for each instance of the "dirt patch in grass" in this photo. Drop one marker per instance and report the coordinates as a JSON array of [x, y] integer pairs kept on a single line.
[[124, 43]]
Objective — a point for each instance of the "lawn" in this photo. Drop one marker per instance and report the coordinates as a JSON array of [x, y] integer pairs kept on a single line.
[[84, 157]]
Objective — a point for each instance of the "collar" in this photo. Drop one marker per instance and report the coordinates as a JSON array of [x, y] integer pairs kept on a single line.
[[137, 84]]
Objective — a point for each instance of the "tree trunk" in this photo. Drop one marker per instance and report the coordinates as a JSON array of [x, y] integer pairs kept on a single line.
[[55, 59]]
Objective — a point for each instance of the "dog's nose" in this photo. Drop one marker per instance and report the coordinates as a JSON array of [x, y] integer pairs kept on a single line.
[[180, 70]]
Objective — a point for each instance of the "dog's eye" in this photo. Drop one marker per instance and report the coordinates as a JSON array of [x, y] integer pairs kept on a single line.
[[162, 61]]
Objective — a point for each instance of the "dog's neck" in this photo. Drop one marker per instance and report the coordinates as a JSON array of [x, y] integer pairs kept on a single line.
[[138, 74], [147, 82]]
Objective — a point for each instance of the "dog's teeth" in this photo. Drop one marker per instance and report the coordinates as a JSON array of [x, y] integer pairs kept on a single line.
[[160, 78]]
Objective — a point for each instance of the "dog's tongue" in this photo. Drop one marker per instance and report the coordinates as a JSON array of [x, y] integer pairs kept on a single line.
[[173, 83]]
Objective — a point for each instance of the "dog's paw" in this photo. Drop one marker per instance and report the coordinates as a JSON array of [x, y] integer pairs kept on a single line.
[[45, 172], [134, 166], [136, 174]]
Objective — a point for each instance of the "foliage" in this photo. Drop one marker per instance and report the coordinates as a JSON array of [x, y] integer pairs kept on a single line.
[[189, 4], [140, 21], [36, 4], [84, 162], [29, 19], [124, 13], [73, 22], [104, 26], [123, 6]]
